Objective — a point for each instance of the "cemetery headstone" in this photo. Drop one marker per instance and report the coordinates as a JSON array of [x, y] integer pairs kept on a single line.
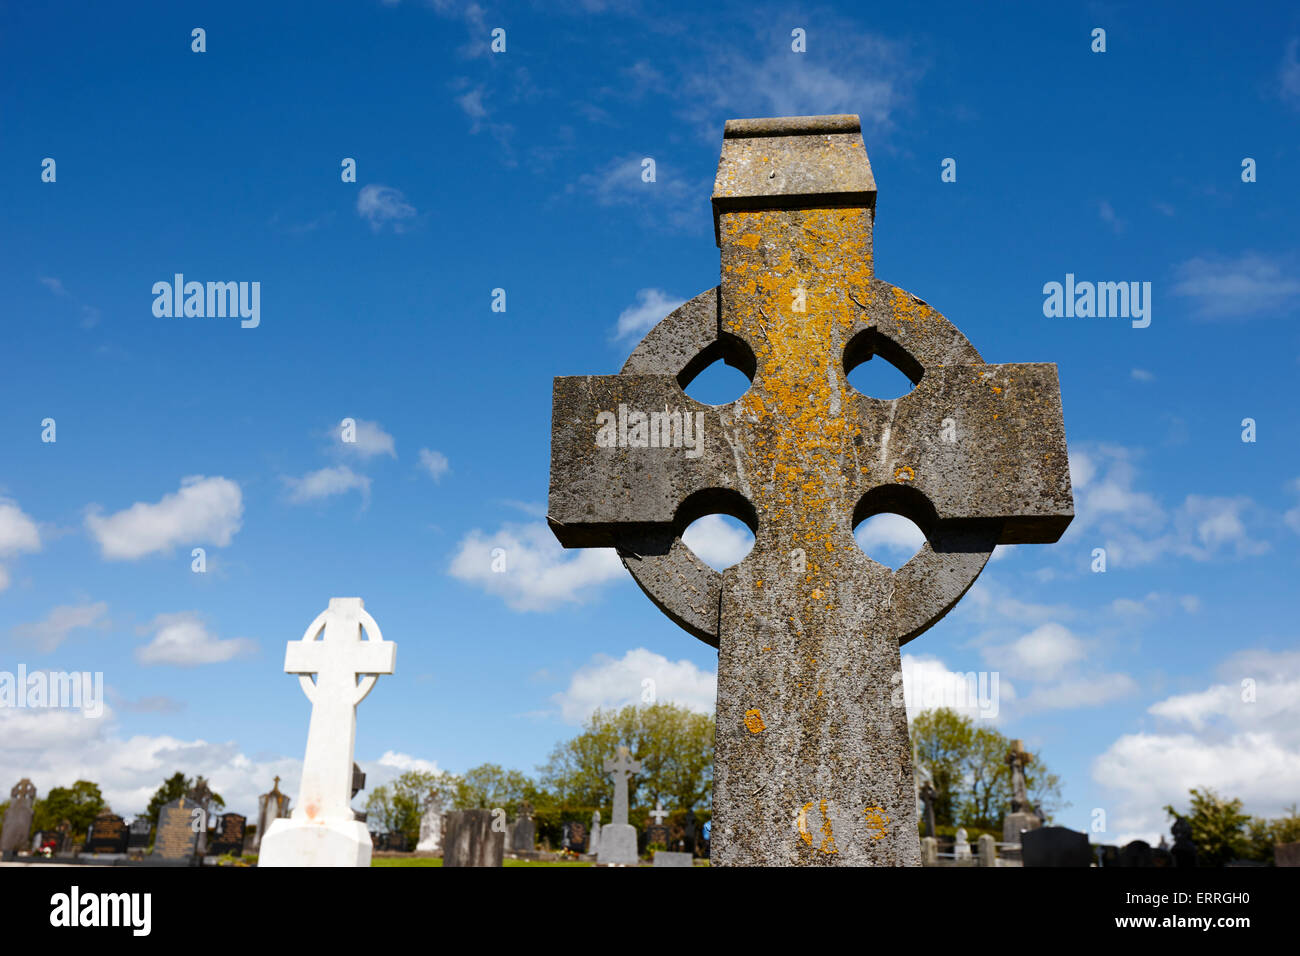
[[468, 839], [961, 845], [1184, 850], [177, 838], [1022, 816], [928, 795], [574, 837], [1055, 846], [1162, 859], [431, 824], [929, 851], [523, 838], [18, 818], [230, 837], [323, 829], [672, 858], [1286, 854], [595, 832], [656, 833], [987, 851], [1109, 855], [618, 837], [271, 806], [813, 761], [64, 837], [200, 794], [1137, 853], [137, 840], [107, 834]]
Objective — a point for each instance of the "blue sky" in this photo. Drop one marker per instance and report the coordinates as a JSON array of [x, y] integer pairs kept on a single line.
[[521, 171]]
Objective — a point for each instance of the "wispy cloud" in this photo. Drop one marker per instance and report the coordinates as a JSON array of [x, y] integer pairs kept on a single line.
[[1225, 288], [48, 634], [182, 640], [384, 206], [637, 319], [326, 483]]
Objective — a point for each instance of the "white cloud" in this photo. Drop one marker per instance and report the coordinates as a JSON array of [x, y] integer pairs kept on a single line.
[[384, 205], [1142, 375], [18, 533], [537, 574], [326, 483], [1039, 655], [667, 201], [403, 762], [1107, 213], [370, 440], [49, 633], [181, 640], [928, 684], [610, 683], [1218, 737], [203, 511], [1077, 692], [435, 463], [1136, 529], [651, 306], [717, 543], [889, 536], [1236, 287]]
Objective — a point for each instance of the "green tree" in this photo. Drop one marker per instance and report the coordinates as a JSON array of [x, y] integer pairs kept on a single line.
[[1265, 834], [489, 786], [1218, 827], [673, 744], [173, 788], [398, 806], [970, 776], [78, 804]]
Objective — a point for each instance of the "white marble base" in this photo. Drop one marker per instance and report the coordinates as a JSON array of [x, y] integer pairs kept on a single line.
[[617, 844], [292, 842]]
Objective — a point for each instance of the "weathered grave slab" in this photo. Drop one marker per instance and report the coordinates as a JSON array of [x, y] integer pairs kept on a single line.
[[468, 839]]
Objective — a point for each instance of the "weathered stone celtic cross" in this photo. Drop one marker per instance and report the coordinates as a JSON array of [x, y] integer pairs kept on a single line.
[[813, 762]]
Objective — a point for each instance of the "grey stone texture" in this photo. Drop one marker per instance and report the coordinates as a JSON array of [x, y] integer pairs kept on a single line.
[[469, 840], [18, 818], [669, 858], [813, 761]]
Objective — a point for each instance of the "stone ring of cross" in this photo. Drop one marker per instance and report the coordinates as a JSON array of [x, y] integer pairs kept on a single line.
[[974, 454], [899, 328]]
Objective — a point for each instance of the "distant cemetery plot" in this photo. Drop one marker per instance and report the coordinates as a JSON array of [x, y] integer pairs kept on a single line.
[[229, 838], [107, 834], [18, 818]]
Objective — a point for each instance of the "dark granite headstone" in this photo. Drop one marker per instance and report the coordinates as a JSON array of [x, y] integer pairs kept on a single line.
[[1184, 847], [1162, 858], [230, 837], [1137, 853], [18, 818], [468, 839], [177, 838], [138, 834], [657, 833], [107, 834], [63, 837], [393, 842], [574, 837], [1055, 846], [1109, 855]]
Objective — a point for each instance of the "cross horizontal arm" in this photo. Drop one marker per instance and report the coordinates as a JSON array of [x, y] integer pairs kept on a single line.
[[982, 443], [626, 452], [364, 657]]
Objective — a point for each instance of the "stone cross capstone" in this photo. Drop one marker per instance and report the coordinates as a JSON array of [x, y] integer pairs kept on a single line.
[[659, 813], [812, 759], [323, 830]]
